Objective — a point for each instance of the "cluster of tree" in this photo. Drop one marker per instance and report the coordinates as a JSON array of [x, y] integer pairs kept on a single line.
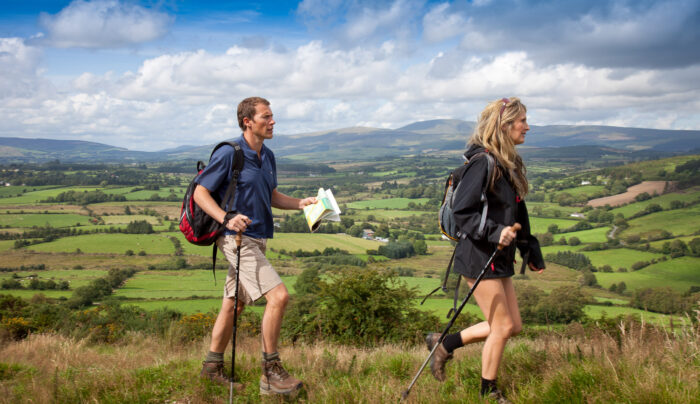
[[664, 300], [356, 307], [328, 251], [678, 248], [84, 198], [86, 174], [688, 174], [563, 305], [37, 267], [301, 168], [397, 249], [99, 288], [35, 284], [618, 287], [570, 259], [139, 227]]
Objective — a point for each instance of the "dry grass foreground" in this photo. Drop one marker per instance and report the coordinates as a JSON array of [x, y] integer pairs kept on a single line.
[[638, 364], [620, 199]]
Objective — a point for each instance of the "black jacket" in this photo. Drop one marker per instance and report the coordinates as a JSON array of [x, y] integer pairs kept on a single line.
[[504, 209]]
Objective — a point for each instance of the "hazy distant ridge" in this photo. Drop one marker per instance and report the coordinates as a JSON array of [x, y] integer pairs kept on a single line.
[[440, 135]]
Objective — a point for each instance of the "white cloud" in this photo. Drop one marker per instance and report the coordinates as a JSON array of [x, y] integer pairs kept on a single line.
[[190, 97], [441, 23], [103, 24]]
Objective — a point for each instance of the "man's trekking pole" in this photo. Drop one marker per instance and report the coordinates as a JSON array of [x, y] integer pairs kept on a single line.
[[404, 396], [235, 315]]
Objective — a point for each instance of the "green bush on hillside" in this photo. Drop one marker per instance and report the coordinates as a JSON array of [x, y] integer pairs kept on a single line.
[[358, 307]]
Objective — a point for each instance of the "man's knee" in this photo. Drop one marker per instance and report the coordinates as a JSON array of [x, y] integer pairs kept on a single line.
[[278, 296]]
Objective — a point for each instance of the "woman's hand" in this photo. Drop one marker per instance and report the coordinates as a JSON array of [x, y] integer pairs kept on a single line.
[[534, 268], [508, 234]]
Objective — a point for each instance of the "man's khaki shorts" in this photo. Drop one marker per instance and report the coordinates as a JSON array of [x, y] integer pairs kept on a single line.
[[257, 276]]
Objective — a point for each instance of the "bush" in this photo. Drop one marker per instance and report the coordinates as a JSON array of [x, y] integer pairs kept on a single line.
[[358, 307]]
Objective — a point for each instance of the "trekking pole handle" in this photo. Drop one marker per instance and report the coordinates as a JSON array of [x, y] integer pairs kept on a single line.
[[239, 239], [516, 228]]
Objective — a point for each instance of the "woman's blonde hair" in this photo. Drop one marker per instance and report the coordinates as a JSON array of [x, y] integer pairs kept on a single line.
[[491, 132]]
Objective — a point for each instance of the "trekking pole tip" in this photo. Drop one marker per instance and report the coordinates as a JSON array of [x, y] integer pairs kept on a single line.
[[404, 395]]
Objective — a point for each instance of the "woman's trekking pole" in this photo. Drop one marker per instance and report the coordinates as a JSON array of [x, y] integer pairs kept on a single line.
[[235, 316], [404, 396]]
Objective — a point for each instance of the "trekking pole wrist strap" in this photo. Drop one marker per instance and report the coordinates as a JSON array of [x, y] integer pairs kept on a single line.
[[229, 216]]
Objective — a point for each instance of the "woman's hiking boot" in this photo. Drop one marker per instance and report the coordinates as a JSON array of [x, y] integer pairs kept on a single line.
[[214, 371], [439, 358], [276, 380], [498, 396]]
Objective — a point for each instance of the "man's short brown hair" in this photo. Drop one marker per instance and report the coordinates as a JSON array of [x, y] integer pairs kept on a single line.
[[246, 109]]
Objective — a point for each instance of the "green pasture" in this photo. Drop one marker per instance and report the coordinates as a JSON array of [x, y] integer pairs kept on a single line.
[[172, 284], [140, 205], [145, 195], [553, 249], [597, 312], [28, 220], [6, 245], [597, 235], [75, 277], [34, 197], [29, 293], [588, 191], [679, 274], [188, 306], [619, 257], [126, 219], [550, 209], [14, 190], [317, 241], [688, 196], [389, 203], [390, 214], [116, 243], [539, 225], [440, 307], [680, 222], [659, 244], [650, 168]]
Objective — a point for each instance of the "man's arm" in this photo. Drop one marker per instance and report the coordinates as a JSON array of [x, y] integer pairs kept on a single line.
[[282, 201], [203, 198]]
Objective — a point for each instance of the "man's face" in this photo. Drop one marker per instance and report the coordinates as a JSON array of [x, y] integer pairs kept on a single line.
[[262, 123]]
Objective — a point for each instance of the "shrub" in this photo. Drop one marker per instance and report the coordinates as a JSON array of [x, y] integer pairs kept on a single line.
[[358, 307]]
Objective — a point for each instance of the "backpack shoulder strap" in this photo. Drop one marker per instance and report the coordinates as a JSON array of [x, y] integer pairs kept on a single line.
[[238, 160]]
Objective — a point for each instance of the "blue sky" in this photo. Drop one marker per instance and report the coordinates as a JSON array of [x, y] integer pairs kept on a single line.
[[149, 75]]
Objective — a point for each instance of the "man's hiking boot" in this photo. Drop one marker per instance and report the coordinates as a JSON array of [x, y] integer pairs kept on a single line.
[[276, 380], [439, 358], [497, 396], [214, 371]]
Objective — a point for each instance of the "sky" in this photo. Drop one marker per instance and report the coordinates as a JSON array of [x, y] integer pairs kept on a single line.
[[156, 74]]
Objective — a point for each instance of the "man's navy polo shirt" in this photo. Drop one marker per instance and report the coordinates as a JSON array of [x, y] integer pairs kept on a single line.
[[255, 185]]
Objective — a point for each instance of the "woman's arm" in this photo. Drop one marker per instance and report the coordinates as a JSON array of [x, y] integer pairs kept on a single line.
[[529, 245]]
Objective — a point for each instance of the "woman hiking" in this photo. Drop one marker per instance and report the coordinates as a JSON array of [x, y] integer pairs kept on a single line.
[[502, 125]]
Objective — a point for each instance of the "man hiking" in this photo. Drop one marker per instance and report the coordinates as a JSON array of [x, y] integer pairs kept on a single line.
[[256, 194]]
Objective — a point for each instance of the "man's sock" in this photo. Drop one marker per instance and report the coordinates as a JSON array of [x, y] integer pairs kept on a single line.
[[487, 386], [452, 342], [214, 357], [268, 357]]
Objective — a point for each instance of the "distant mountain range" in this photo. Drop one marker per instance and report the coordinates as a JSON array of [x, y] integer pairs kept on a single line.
[[440, 137]]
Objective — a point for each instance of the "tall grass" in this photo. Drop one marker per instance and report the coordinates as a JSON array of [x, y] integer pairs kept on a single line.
[[617, 362]]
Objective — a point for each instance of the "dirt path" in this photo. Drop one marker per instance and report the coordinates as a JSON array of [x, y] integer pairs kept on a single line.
[[647, 186]]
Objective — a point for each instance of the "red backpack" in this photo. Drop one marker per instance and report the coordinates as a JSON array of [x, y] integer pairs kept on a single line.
[[198, 227]]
